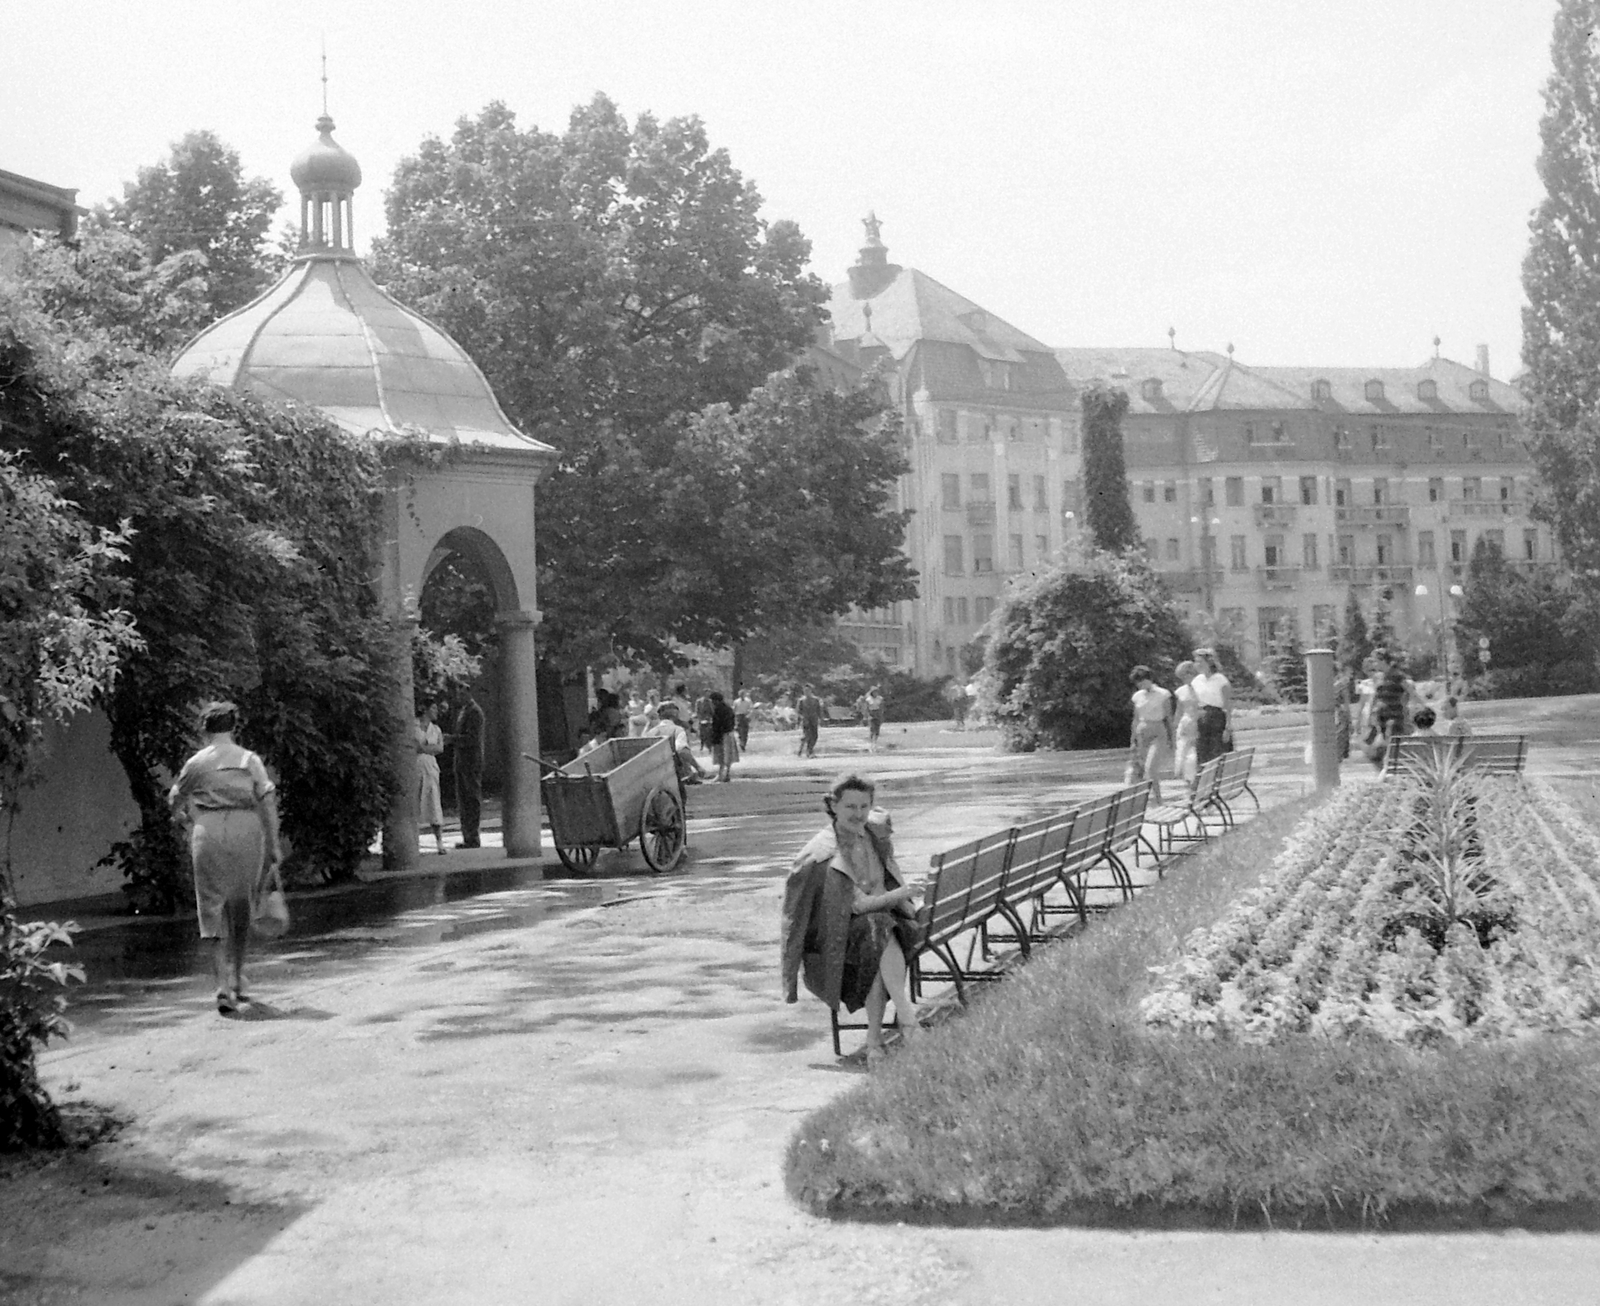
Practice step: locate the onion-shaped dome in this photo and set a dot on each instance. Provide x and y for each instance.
(326, 165)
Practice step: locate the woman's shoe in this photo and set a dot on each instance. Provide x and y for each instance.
(227, 1002)
(875, 1054)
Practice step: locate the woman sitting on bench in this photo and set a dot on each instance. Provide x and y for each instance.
(849, 922)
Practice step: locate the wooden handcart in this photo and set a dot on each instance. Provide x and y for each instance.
(625, 789)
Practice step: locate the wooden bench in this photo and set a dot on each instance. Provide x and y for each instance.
(1184, 822)
(1125, 833)
(1037, 851)
(1233, 779)
(1085, 849)
(964, 895)
(1488, 754)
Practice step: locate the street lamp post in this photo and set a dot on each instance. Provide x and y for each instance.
(1446, 658)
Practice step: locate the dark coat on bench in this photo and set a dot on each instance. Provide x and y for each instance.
(816, 913)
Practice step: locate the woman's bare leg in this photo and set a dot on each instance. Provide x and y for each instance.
(894, 980)
(877, 1000)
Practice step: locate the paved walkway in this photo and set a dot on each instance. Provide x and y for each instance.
(582, 1093)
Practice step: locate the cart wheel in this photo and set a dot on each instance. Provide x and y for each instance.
(578, 858)
(662, 830)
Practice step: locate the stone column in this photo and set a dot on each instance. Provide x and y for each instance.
(1319, 694)
(519, 704)
(400, 826)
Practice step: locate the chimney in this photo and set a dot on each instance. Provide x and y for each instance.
(1483, 360)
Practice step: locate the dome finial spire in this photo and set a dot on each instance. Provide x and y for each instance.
(324, 74)
(327, 175)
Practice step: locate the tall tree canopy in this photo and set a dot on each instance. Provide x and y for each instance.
(1105, 471)
(1561, 276)
(198, 198)
(616, 284)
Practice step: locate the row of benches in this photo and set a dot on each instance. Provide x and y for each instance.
(995, 889)
(1490, 754)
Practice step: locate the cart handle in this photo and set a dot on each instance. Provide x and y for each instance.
(542, 764)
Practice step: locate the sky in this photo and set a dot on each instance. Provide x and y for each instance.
(1329, 182)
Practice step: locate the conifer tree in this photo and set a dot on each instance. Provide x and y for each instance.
(1105, 473)
(1355, 645)
(1561, 277)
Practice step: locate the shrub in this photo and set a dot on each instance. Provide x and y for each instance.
(31, 1007)
(1577, 677)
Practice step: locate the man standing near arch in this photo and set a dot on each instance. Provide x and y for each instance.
(469, 770)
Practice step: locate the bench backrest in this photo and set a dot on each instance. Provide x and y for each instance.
(1036, 855)
(966, 885)
(1207, 779)
(1235, 773)
(1087, 844)
(1128, 817)
(1491, 754)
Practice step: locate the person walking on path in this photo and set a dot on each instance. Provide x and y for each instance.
(468, 740)
(955, 694)
(743, 708)
(849, 918)
(1152, 731)
(1392, 695)
(429, 740)
(683, 758)
(228, 804)
(702, 720)
(809, 709)
(724, 736)
(872, 709)
(1215, 696)
(1187, 727)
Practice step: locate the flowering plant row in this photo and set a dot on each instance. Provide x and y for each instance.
(1347, 930)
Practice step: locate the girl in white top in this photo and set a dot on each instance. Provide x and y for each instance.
(1187, 727)
(1213, 693)
(1152, 731)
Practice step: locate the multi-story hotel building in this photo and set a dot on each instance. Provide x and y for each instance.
(993, 429)
(1267, 493)
(1263, 493)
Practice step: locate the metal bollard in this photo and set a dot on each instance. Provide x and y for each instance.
(1319, 693)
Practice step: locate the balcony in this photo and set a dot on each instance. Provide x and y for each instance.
(980, 514)
(1378, 514)
(1193, 580)
(1388, 574)
(1273, 578)
(1488, 507)
(1275, 514)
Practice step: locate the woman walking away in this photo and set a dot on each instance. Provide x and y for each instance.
(1152, 731)
(228, 803)
(1215, 697)
(849, 922)
(724, 736)
(1188, 724)
(872, 709)
(429, 741)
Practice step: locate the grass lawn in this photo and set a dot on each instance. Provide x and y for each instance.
(1052, 1102)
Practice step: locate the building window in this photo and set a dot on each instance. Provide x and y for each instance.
(950, 488)
(1271, 489)
(983, 609)
(1380, 436)
(1208, 492)
(1152, 548)
(1435, 438)
(949, 433)
(1014, 492)
(1249, 432)
(1478, 392)
(1495, 542)
(1041, 496)
(980, 488)
(1435, 488)
(1385, 550)
(1508, 488)
(1072, 439)
(1341, 437)
(1273, 552)
(1174, 550)
(1231, 622)
(1014, 429)
(1427, 391)
(1150, 389)
(953, 555)
(1347, 550)
(949, 611)
(1069, 498)
(1236, 554)
(982, 553)
(1323, 621)
(1208, 552)
(1233, 491)
(1321, 391)
(1341, 494)
(1308, 551)
(1458, 546)
(1016, 553)
(1147, 491)
(1530, 545)
(1425, 554)
(1469, 438)
(1471, 488)
(1380, 490)
(1169, 492)
(1308, 490)
(1041, 548)
(1374, 392)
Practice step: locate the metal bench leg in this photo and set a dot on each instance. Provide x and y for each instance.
(1253, 797)
(833, 1013)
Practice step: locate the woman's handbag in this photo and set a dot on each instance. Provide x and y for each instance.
(269, 910)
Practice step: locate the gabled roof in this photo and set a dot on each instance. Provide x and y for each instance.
(1348, 388)
(913, 306)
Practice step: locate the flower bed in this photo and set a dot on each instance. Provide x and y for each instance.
(1345, 931)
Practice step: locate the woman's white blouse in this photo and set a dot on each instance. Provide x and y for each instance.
(1208, 689)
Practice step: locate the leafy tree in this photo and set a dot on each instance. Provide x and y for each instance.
(1355, 643)
(61, 637)
(441, 666)
(199, 199)
(617, 284)
(1105, 473)
(1530, 621)
(247, 574)
(1056, 669)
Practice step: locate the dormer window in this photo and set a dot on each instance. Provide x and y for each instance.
(1374, 392)
(1321, 390)
(1478, 392)
(1427, 391)
(1150, 389)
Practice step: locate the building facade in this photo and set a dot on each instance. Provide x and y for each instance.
(1266, 495)
(27, 206)
(992, 425)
